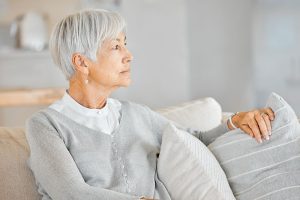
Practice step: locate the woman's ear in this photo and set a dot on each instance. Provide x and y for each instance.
(80, 63)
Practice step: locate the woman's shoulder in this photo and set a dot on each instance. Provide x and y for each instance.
(45, 116)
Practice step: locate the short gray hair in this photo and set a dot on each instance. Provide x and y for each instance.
(83, 32)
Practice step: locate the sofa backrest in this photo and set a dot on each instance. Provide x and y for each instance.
(16, 180)
(201, 114)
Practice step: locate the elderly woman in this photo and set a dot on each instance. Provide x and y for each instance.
(90, 146)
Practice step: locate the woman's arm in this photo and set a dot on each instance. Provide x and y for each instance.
(55, 169)
(255, 123)
(208, 137)
(160, 123)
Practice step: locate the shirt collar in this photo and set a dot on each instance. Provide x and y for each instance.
(74, 105)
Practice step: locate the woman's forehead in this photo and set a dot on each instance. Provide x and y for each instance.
(120, 38)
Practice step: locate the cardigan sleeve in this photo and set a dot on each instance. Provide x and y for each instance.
(206, 137)
(54, 168)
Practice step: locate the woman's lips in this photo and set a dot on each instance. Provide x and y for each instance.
(126, 71)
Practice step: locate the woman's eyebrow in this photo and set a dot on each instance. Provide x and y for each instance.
(120, 40)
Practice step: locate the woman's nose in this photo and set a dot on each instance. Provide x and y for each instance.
(128, 58)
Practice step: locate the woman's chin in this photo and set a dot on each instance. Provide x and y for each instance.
(126, 83)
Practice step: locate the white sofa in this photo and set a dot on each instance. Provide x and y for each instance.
(17, 181)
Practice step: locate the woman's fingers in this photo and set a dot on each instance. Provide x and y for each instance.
(247, 130)
(256, 123)
(268, 123)
(262, 125)
(255, 129)
(269, 112)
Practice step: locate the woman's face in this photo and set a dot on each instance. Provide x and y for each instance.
(112, 67)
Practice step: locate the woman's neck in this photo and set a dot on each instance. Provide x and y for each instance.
(88, 95)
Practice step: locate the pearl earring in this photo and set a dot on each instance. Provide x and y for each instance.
(86, 81)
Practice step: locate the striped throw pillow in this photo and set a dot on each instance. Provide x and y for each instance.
(270, 170)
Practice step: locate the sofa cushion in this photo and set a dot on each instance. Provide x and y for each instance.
(202, 114)
(17, 181)
(189, 170)
(270, 170)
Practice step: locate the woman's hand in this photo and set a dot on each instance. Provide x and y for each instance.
(256, 123)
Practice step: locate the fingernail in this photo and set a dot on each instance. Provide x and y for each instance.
(270, 133)
(260, 141)
(267, 137)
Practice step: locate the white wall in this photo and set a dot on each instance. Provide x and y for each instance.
(276, 30)
(220, 51)
(157, 37)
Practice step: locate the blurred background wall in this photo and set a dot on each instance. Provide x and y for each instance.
(276, 50)
(236, 51)
(221, 51)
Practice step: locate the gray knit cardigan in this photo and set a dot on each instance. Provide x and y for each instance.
(71, 161)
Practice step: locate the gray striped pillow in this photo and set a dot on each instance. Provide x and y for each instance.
(270, 170)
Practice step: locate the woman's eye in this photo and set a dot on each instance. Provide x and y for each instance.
(117, 47)
(125, 43)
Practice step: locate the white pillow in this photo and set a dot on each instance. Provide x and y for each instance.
(202, 114)
(189, 170)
